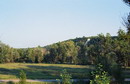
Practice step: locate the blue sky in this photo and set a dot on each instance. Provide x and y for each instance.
(29, 23)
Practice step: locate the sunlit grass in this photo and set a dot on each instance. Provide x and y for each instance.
(42, 71)
(7, 76)
(32, 83)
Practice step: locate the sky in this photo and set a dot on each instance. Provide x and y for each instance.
(29, 23)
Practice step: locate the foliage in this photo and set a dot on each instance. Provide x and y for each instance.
(127, 20)
(8, 54)
(22, 77)
(112, 53)
(75, 51)
(32, 55)
(127, 1)
(100, 76)
(63, 52)
(66, 77)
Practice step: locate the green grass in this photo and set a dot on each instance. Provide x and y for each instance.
(47, 83)
(43, 71)
(31, 83)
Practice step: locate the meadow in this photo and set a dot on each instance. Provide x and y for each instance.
(47, 71)
(43, 71)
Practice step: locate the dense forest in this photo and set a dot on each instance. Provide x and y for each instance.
(85, 50)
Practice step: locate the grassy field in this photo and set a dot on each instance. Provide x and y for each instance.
(42, 71)
(46, 83)
(47, 71)
(30, 83)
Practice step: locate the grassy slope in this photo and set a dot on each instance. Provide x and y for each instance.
(42, 71)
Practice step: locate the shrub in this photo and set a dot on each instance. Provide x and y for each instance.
(22, 77)
(66, 77)
(100, 76)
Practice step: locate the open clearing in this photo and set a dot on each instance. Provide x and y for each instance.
(47, 71)
(43, 71)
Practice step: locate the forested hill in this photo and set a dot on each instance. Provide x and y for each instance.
(51, 53)
(85, 50)
(75, 40)
(78, 40)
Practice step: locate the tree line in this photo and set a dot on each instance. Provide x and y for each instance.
(74, 51)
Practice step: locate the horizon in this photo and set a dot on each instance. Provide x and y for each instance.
(31, 23)
(54, 42)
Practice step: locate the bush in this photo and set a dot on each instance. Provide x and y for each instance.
(66, 77)
(100, 76)
(22, 77)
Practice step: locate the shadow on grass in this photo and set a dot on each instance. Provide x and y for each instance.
(51, 72)
(47, 72)
(14, 72)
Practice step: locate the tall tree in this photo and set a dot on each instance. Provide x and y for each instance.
(31, 55)
(63, 52)
(39, 54)
(127, 2)
(127, 21)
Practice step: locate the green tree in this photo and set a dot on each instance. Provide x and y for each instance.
(31, 55)
(68, 51)
(66, 77)
(127, 2)
(101, 49)
(22, 77)
(122, 46)
(23, 52)
(111, 53)
(127, 20)
(63, 52)
(52, 56)
(100, 76)
(39, 54)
